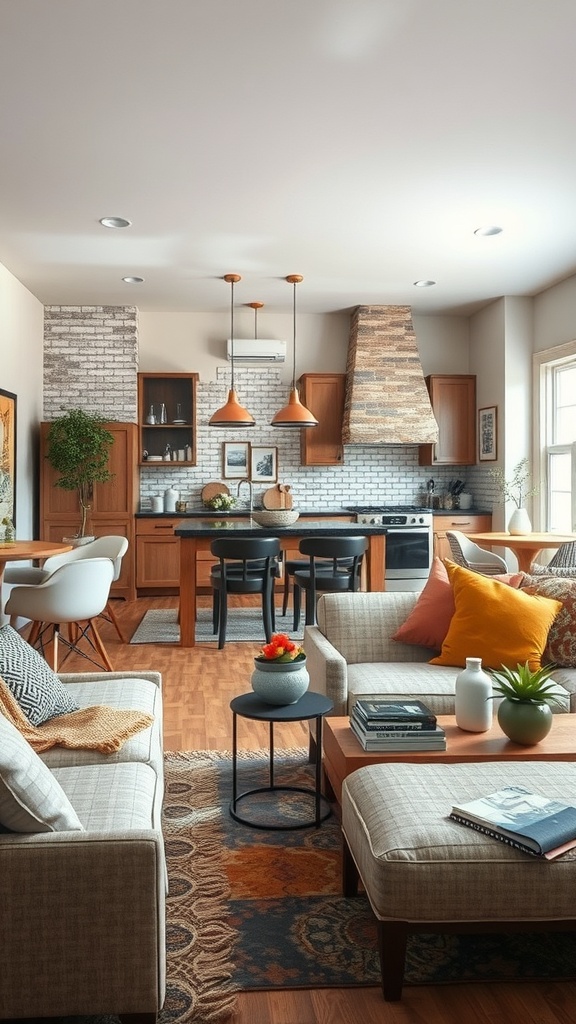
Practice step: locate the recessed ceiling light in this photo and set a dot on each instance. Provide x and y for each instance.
(424, 284)
(489, 229)
(115, 222)
(133, 280)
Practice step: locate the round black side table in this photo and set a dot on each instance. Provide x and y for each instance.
(249, 705)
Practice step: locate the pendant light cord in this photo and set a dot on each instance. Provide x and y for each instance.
(232, 333)
(294, 337)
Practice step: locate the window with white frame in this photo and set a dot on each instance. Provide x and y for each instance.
(557, 429)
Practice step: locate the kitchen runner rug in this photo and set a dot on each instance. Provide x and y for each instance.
(160, 626)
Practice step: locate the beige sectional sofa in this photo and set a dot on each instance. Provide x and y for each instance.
(351, 654)
(82, 912)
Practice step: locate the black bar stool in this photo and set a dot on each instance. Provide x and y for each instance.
(334, 565)
(246, 566)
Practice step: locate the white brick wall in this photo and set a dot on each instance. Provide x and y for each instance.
(91, 360)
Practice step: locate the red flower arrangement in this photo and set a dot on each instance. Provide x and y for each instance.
(281, 648)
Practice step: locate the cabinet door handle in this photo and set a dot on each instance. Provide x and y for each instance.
(163, 526)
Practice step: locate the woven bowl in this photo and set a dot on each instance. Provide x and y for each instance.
(276, 517)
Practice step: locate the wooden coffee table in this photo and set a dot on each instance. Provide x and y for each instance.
(343, 753)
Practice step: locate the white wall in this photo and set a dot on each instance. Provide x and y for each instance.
(554, 317)
(196, 342)
(21, 331)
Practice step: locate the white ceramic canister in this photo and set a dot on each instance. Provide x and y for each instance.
(473, 690)
(157, 503)
(171, 496)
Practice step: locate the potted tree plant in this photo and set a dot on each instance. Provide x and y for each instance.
(78, 447)
(525, 715)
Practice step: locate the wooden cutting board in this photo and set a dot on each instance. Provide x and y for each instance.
(212, 489)
(277, 497)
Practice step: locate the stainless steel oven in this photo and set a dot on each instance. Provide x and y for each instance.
(409, 542)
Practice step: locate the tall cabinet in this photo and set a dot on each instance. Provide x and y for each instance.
(453, 399)
(323, 394)
(113, 506)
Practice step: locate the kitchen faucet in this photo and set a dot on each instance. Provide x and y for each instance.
(249, 482)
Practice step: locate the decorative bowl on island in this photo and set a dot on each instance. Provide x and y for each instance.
(275, 517)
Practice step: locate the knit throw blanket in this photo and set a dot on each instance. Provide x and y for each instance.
(98, 728)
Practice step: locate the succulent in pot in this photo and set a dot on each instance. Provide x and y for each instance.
(525, 715)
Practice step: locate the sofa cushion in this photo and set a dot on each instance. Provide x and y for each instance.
(496, 623)
(429, 621)
(561, 644)
(112, 797)
(133, 693)
(35, 686)
(31, 799)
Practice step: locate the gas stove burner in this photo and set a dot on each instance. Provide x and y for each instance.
(367, 510)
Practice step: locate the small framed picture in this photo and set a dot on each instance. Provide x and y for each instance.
(235, 459)
(263, 464)
(7, 458)
(487, 434)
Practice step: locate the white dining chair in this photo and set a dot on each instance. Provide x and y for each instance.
(111, 546)
(76, 593)
(471, 556)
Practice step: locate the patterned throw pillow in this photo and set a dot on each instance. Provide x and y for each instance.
(561, 642)
(35, 686)
(31, 800)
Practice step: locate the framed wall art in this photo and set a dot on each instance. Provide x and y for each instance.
(7, 456)
(487, 434)
(263, 464)
(235, 459)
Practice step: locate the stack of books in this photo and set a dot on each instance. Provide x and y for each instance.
(396, 725)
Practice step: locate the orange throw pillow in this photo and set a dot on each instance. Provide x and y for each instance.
(429, 620)
(499, 624)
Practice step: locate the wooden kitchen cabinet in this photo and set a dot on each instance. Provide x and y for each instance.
(176, 394)
(157, 554)
(113, 504)
(323, 394)
(464, 523)
(453, 399)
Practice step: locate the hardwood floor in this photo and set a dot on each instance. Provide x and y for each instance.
(198, 686)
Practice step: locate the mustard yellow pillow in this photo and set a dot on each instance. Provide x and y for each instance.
(494, 622)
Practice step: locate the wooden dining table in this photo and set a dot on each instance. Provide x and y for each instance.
(197, 535)
(525, 546)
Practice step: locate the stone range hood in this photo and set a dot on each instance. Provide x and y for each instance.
(387, 401)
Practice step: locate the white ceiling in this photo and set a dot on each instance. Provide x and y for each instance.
(356, 142)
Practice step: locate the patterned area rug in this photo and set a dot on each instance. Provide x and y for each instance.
(256, 910)
(160, 626)
(297, 931)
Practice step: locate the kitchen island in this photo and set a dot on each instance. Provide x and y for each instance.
(197, 535)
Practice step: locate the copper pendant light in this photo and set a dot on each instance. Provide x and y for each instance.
(232, 415)
(294, 414)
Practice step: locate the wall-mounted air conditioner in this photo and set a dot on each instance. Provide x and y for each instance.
(257, 350)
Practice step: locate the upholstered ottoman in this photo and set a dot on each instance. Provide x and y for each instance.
(424, 872)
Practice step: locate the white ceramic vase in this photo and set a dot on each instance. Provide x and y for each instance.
(280, 682)
(519, 524)
(473, 692)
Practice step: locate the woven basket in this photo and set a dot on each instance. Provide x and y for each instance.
(276, 517)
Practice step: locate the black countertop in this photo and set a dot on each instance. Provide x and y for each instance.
(207, 513)
(303, 527)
